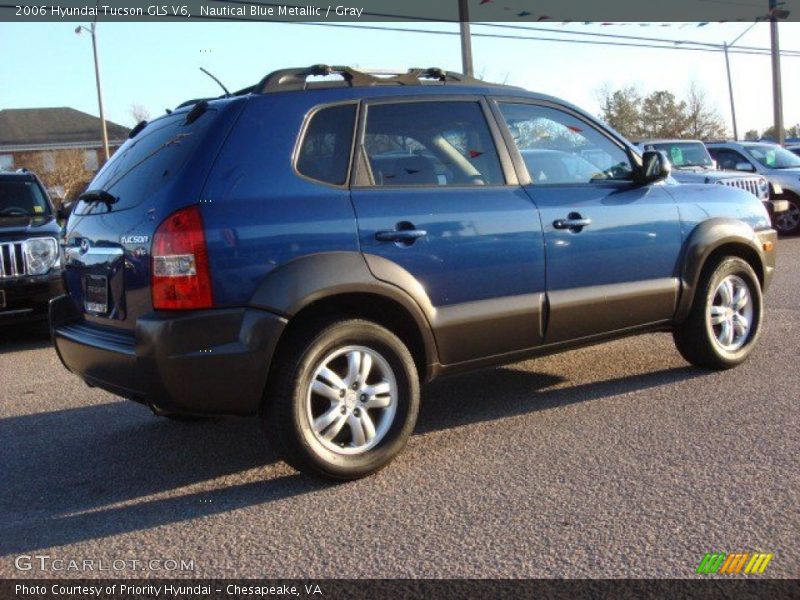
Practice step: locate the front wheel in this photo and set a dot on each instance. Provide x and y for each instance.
(725, 320)
(343, 399)
(788, 221)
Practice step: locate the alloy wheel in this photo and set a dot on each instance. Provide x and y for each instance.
(730, 314)
(351, 400)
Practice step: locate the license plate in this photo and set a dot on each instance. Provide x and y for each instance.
(2, 299)
(96, 297)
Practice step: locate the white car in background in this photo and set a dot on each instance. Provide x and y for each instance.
(780, 166)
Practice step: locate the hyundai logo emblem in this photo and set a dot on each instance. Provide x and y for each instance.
(84, 246)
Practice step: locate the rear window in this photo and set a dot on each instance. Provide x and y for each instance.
(147, 162)
(22, 198)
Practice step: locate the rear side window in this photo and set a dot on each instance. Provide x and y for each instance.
(431, 144)
(325, 152)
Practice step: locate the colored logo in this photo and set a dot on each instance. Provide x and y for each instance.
(742, 562)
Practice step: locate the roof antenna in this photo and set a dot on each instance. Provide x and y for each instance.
(227, 93)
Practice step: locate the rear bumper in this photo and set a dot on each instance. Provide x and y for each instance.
(202, 362)
(27, 298)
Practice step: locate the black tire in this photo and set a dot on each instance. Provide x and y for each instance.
(696, 338)
(785, 226)
(285, 415)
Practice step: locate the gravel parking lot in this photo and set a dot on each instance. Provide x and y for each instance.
(613, 461)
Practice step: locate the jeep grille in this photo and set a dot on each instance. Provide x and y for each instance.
(747, 184)
(12, 260)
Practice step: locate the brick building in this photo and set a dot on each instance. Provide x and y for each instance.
(62, 145)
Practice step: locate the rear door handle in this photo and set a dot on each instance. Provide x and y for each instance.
(405, 236)
(574, 222)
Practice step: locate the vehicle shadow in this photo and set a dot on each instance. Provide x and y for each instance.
(24, 336)
(506, 392)
(89, 472)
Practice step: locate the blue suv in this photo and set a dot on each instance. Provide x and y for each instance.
(312, 248)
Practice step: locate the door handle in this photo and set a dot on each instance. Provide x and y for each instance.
(574, 222)
(403, 236)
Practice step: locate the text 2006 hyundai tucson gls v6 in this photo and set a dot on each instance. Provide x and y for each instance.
(309, 251)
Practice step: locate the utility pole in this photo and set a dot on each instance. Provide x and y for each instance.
(92, 30)
(466, 39)
(730, 79)
(730, 92)
(777, 94)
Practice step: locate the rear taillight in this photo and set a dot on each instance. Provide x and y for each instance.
(181, 278)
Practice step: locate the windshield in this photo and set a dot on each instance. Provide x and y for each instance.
(774, 157)
(685, 154)
(21, 198)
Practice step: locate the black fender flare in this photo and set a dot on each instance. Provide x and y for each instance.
(702, 242)
(297, 284)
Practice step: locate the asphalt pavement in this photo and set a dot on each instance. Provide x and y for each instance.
(618, 460)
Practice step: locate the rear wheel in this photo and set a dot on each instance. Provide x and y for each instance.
(343, 399)
(725, 319)
(788, 221)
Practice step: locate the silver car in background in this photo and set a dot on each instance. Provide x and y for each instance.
(780, 166)
(691, 163)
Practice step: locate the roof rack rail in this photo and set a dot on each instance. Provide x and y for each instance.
(297, 78)
(294, 79)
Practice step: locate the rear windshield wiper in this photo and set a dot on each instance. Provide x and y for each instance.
(92, 196)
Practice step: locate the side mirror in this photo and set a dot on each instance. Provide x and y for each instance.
(655, 167)
(745, 166)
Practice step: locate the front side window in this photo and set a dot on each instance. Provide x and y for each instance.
(558, 148)
(727, 159)
(325, 152)
(432, 144)
(774, 157)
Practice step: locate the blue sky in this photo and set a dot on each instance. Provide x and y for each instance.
(156, 64)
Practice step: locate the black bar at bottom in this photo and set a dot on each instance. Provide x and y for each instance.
(406, 589)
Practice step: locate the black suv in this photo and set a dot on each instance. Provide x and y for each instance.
(30, 267)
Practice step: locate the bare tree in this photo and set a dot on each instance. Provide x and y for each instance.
(138, 113)
(703, 121)
(67, 172)
(660, 114)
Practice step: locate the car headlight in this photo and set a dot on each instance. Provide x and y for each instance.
(763, 186)
(41, 255)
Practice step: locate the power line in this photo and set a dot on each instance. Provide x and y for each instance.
(660, 42)
(617, 36)
(663, 46)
